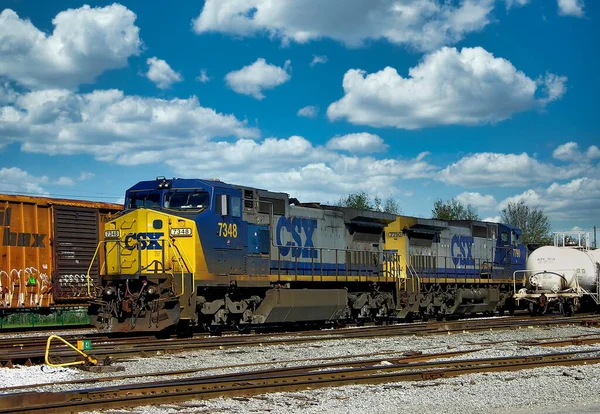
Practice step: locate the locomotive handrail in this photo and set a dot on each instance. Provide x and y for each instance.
(414, 275)
(515, 278)
(444, 266)
(362, 270)
(92, 264)
(178, 256)
(183, 264)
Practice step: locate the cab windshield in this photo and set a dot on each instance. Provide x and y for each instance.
(140, 199)
(184, 200)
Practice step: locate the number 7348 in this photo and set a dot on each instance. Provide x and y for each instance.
(228, 230)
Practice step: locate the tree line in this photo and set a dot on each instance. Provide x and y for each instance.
(532, 221)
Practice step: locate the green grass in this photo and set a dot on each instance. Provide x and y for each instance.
(23, 318)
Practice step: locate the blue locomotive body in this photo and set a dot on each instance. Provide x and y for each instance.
(189, 251)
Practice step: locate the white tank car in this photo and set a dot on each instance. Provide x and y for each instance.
(557, 269)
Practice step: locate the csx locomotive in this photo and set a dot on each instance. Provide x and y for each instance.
(188, 252)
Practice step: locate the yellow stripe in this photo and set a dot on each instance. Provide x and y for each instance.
(301, 278)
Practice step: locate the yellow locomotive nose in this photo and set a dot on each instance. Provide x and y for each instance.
(146, 241)
(148, 267)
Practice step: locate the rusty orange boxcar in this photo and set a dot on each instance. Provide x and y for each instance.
(46, 246)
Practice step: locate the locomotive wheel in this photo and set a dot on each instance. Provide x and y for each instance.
(215, 330)
(184, 329)
(242, 328)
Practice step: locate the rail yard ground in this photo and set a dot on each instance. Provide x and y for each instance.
(550, 389)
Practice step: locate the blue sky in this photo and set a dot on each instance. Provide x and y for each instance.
(486, 101)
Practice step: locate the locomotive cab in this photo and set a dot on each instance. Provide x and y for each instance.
(153, 254)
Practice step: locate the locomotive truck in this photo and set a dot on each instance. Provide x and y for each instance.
(188, 252)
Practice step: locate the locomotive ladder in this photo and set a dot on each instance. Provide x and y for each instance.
(579, 240)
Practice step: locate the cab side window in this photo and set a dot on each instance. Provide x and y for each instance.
(236, 206)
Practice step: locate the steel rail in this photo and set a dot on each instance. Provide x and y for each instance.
(259, 382)
(400, 357)
(563, 342)
(143, 346)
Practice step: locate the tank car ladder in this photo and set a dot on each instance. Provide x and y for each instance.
(579, 240)
(594, 295)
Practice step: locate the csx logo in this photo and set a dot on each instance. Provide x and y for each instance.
(143, 241)
(297, 227)
(460, 250)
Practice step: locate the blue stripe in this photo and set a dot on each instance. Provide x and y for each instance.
(328, 269)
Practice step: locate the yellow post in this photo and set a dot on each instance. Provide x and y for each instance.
(88, 358)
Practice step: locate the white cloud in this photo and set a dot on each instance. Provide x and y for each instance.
(574, 201)
(570, 152)
(493, 219)
(85, 175)
(448, 87)
(137, 131)
(293, 165)
(360, 142)
(504, 170)
(512, 3)
(161, 73)
(7, 94)
(253, 79)
(111, 126)
(571, 8)
(16, 180)
(85, 42)
(203, 77)
(553, 86)
(484, 202)
(133, 130)
(65, 181)
(71, 181)
(318, 59)
(308, 111)
(420, 24)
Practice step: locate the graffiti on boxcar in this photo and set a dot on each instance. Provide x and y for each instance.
(71, 286)
(28, 286)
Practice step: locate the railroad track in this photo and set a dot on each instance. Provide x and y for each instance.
(248, 383)
(31, 351)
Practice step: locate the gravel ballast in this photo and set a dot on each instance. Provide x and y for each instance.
(542, 390)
